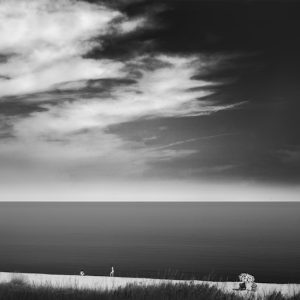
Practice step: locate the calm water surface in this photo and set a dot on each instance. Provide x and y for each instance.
(144, 239)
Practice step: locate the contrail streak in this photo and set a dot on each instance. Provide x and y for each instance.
(192, 140)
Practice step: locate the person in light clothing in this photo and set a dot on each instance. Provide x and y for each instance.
(112, 272)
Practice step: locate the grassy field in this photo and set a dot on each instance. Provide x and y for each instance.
(19, 290)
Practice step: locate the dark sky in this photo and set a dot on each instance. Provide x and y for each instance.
(261, 39)
(260, 42)
(191, 90)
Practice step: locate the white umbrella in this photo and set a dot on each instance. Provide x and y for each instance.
(246, 277)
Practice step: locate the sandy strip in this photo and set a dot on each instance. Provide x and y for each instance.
(110, 283)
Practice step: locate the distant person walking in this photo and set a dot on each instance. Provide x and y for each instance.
(112, 272)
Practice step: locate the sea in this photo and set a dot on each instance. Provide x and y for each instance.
(212, 241)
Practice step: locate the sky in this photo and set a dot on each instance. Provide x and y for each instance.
(149, 100)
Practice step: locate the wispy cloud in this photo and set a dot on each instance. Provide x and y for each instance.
(45, 44)
(290, 155)
(182, 142)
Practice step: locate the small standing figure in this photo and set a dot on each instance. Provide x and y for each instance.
(82, 273)
(112, 272)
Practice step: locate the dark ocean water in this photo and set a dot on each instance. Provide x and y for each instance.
(146, 239)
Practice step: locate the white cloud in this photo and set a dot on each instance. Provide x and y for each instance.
(60, 72)
(45, 42)
(127, 26)
(166, 91)
(57, 24)
(76, 132)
